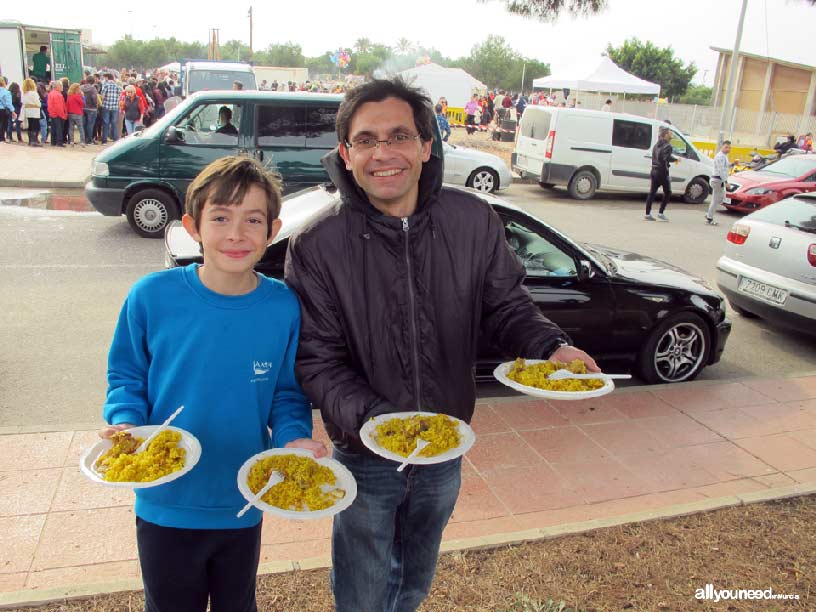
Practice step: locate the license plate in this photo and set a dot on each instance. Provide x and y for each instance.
(761, 290)
(726, 200)
(521, 160)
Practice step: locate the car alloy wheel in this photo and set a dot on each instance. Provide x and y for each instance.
(484, 180)
(150, 215)
(680, 352)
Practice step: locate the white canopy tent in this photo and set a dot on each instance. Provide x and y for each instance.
(453, 84)
(606, 77)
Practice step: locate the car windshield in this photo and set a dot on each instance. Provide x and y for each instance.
(168, 119)
(792, 167)
(208, 80)
(793, 212)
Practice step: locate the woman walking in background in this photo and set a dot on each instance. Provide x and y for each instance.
(470, 113)
(31, 109)
(76, 109)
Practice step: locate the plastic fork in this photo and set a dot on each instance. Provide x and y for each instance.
(420, 444)
(274, 478)
(562, 374)
(143, 446)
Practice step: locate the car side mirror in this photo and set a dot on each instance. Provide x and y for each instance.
(584, 270)
(173, 135)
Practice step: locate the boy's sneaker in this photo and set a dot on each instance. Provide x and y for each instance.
(711, 221)
(648, 217)
(662, 217)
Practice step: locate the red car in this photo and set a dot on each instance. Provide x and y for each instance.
(754, 189)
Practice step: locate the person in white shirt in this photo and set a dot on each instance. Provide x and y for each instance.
(718, 180)
(607, 107)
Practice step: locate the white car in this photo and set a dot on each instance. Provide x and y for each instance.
(769, 265)
(482, 171)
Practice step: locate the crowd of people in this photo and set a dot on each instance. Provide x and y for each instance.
(99, 108)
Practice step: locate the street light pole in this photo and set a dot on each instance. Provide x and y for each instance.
(732, 77)
(250, 32)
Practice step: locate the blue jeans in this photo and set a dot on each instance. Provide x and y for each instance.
(43, 127)
(110, 124)
(386, 544)
(130, 126)
(90, 121)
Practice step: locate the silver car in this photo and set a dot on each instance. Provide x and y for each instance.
(769, 265)
(482, 171)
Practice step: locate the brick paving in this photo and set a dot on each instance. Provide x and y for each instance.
(536, 464)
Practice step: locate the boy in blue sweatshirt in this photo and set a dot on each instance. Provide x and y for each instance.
(219, 339)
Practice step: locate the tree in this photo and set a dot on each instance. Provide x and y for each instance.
(550, 10)
(497, 65)
(235, 51)
(362, 45)
(697, 94)
(288, 54)
(404, 46)
(658, 65)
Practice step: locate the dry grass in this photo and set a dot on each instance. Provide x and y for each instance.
(654, 566)
(482, 142)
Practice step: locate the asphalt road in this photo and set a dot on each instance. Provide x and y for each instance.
(63, 277)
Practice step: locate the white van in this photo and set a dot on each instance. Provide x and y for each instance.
(587, 150)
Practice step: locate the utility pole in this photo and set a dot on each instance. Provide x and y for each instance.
(250, 32)
(732, 78)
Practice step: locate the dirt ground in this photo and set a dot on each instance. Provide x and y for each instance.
(483, 142)
(655, 566)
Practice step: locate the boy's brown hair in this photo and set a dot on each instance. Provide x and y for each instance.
(226, 181)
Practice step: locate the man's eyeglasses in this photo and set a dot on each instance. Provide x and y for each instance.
(397, 141)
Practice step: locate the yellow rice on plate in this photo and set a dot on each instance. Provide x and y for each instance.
(122, 464)
(400, 435)
(306, 486)
(535, 375)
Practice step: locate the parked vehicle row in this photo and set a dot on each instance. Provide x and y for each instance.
(751, 190)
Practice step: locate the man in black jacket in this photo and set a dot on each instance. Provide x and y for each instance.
(661, 158)
(395, 284)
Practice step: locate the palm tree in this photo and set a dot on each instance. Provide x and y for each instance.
(404, 45)
(362, 45)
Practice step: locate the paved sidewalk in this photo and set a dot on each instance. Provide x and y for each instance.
(538, 468)
(47, 166)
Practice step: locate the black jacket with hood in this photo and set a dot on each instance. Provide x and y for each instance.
(392, 308)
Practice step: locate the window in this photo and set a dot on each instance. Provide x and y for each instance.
(798, 211)
(539, 256)
(207, 79)
(211, 125)
(631, 134)
(535, 124)
(678, 144)
(282, 126)
(321, 132)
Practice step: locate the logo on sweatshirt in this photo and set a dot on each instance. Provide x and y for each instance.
(260, 368)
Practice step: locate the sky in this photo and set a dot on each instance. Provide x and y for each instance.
(780, 28)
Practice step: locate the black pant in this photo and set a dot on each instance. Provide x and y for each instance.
(57, 131)
(33, 130)
(181, 568)
(5, 117)
(659, 179)
(470, 120)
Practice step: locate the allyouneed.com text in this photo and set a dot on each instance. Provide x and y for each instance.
(712, 594)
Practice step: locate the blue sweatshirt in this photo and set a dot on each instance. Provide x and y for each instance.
(230, 361)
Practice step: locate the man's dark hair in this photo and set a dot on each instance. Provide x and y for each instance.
(608, 101)
(377, 91)
(791, 138)
(224, 110)
(726, 142)
(109, 76)
(43, 48)
(90, 80)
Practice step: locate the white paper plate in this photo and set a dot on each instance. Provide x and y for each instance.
(345, 481)
(467, 438)
(500, 373)
(188, 442)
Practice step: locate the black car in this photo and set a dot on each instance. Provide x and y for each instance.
(624, 309)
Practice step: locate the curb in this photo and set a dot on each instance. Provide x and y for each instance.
(42, 184)
(40, 597)
(47, 200)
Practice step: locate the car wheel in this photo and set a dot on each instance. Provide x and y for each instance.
(484, 179)
(149, 211)
(696, 191)
(583, 185)
(676, 350)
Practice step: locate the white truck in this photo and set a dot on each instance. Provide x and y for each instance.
(20, 42)
(280, 74)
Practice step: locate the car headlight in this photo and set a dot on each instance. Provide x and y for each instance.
(759, 191)
(99, 169)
